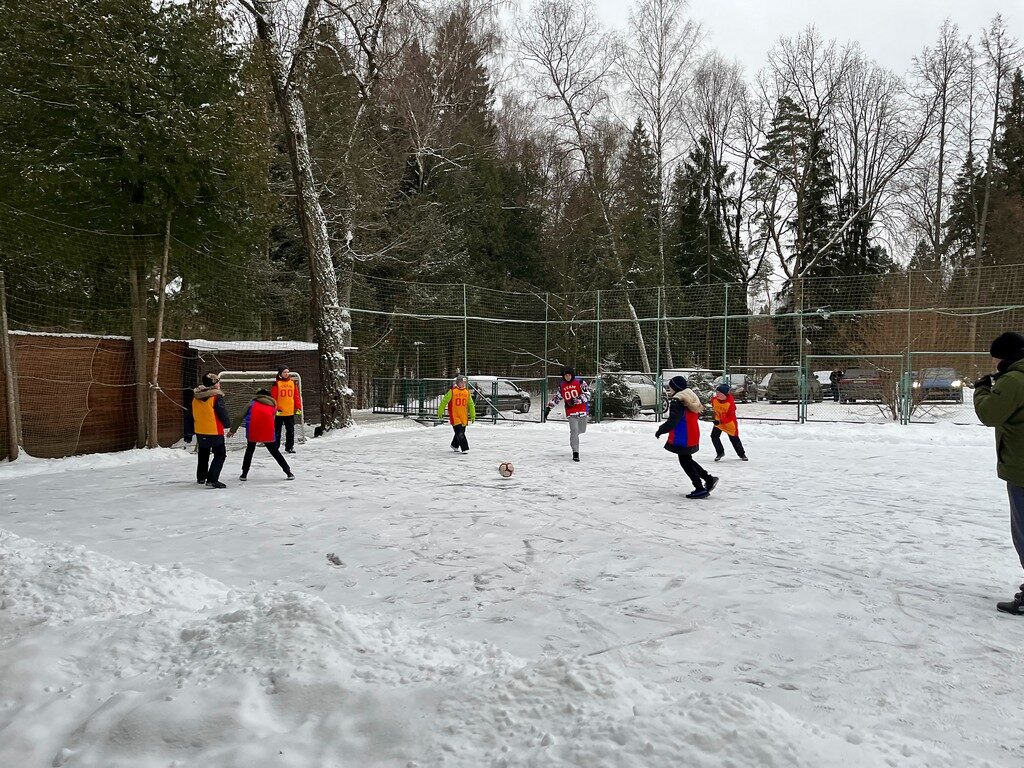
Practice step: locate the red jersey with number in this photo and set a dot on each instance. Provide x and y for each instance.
(574, 393)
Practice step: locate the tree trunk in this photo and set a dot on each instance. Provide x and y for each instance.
(140, 341)
(154, 371)
(979, 248)
(330, 320)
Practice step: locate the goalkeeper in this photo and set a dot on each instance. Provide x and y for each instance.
(289, 405)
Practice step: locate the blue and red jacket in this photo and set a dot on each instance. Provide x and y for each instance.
(260, 420)
(576, 395)
(682, 425)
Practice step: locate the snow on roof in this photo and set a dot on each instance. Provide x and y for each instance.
(203, 345)
(256, 345)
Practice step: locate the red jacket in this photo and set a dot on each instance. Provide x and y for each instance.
(259, 420)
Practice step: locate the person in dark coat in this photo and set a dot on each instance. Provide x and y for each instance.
(683, 430)
(260, 426)
(207, 419)
(999, 403)
(835, 377)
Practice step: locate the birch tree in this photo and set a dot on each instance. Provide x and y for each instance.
(571, 57)
(287, 48)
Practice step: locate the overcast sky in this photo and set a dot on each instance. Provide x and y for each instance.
(890, 31)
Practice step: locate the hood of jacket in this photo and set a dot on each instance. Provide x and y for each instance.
(205, 393)
(1016, 365)
(265, 399)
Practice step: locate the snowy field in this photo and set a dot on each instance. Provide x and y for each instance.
(397, 605)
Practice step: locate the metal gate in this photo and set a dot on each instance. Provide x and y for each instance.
(766, 392)
(937, 386)
(870, 388)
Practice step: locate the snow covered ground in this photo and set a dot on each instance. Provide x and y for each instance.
(831, 605)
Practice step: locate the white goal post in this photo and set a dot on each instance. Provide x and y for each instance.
(240, 387)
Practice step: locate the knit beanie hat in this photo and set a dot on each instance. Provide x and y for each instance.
(725, 389)
(1007, 345)
(677, 383)
(210, 379)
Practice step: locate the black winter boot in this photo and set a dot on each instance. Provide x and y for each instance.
(1015, 606)
(575, 456)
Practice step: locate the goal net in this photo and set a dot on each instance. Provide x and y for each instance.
(240, 388)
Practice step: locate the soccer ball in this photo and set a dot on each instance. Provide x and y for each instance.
(505, 469)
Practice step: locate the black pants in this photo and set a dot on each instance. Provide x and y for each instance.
(693, 470)
(288, 422)
(1017, 518)
(207, 471)
(459, 440)
(716, 439)
(835, 392)
(272, 449)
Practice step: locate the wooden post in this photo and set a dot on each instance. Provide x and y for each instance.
(153, 437)
(11, 405)
(140, 341)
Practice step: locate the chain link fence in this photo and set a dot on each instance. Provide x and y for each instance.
(896, 347)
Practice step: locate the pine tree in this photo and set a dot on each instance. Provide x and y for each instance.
(637, 209)
(696, 236)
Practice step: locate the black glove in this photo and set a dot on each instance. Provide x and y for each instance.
(984, 381)
(716, 422)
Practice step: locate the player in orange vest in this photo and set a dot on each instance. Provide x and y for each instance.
(725, 421)
(289, 405)
(458, 401)
(207, 418)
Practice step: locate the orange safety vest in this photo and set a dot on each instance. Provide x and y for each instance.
(725, 412)
(286, 393)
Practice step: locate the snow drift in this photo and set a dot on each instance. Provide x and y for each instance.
(106, 663)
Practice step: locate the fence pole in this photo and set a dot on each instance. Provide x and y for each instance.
(547, 303)
(905, 382)
(725, 337)
(11, 405)
(597, 415)
(657, 338)
(802, 406)
(465, 332)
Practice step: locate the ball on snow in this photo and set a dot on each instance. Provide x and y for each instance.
(505, 469)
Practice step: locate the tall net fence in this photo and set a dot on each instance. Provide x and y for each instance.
(893, 347)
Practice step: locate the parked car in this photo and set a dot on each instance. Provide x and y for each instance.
(510, 397)
(825, 379)
(864, 384)
(742, 387)
(784, 387)
(938, 384)
(645, 390)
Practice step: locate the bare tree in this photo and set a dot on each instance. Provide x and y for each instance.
(1000, 56)
(657, 62)
(942, 71)
(572, 58)
(287, 48)
(874, 131)
(832, 88)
